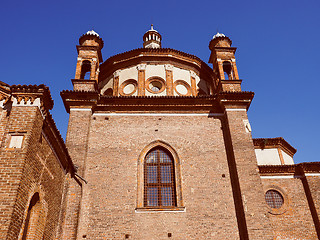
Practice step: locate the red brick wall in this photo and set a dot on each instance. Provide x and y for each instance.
(23, 174)
(247, 186)
(110, 198)
(77, 146)
(294, 220)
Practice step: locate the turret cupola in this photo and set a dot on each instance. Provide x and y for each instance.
(89, 59)
(152, 39)
(224, 62)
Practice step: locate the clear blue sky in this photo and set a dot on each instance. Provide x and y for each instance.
(277, 57)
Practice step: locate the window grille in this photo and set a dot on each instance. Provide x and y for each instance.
(274, 199)
(159, 179)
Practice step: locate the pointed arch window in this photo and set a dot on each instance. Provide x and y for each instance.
(159, 179)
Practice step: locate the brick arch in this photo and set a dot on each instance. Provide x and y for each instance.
(35, 217)
(177, 172)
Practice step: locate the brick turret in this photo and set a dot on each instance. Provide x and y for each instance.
(224, 62)
(89, 58)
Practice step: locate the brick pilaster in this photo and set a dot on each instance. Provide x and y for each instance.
(141, 79)
(246, 183)
(169, 79)
(76, 141)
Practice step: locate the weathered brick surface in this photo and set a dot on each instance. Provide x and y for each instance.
(295, 221)
(34, 168)
(252, 219)
(110, 198)
(78, 130)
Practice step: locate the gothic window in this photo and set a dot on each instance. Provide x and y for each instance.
(159, 179)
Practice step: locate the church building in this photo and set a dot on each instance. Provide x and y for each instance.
(158, 146)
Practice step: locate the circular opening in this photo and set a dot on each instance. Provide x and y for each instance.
(129, 88)
(182, 89)
(155, 86)
(274, 199)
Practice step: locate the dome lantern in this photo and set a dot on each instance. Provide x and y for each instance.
(152, 39)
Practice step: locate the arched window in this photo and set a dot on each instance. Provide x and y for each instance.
(85, 70)
(159, 179)
(227, 68)
(29, 225)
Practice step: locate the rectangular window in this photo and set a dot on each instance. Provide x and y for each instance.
(16, 141)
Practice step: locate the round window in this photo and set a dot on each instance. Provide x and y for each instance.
(129, 89)
(182, 88)
(274, 199)
(155, 86)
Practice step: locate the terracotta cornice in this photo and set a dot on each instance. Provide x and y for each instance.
(235, 99)
(204, 104)
(79, 98)
(261, 143)
(89, 36)
(156, 105)
(32, 92)
(296, 169)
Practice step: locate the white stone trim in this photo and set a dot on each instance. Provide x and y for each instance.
(312, 174)
(142, 66)
(2, 103)
(159, 114)
(36, 103)
(236, 109)
(116, 73)
(247, 125)
(193, 74)
(160, 211)
(80, 109)
(281, 177)
(168, 67)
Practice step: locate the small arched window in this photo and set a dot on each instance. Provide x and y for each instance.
(29, 225)
(159, 179)
(85, 70)
(227, 68)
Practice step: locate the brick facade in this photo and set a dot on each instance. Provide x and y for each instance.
(199, 120)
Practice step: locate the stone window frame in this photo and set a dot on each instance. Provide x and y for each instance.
(155, 79)
(284, 207)
(177, 174)
(183, 83)
(16, 134)
(124, 84)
